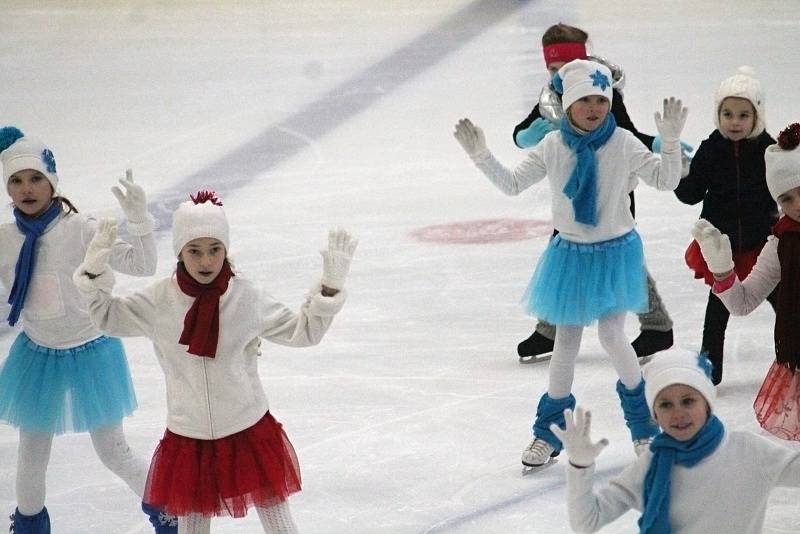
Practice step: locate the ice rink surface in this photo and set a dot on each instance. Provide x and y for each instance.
(410, 416)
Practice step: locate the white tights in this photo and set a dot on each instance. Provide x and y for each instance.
(34, 454)
(611, 333)
(276, 519)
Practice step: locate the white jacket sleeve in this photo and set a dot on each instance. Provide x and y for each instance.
(660, 171)
(133, 315)
(513, 182)
(136, 258)
(745, 296)
(304, 328)
(588, 510)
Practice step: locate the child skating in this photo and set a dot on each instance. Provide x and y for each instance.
(593, 270)
(62, 374)
(698, 477)
(223, 452)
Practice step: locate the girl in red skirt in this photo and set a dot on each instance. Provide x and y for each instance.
(222, 452)
(778, 402)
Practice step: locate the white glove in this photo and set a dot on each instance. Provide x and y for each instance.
(575, 438)
(471, 139)
(336, 259)
(134, 204)
(99, 249)
(715, 246)
(671, 125)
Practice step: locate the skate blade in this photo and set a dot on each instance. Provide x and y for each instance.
(645, 359)
(539, 358)
(531, 469)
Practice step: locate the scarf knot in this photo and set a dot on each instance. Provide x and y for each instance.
(581, 187)
(667, 452)
(201, 323)
(33, 228)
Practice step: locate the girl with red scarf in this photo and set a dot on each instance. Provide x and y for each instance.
(777, 405)
(222, 452)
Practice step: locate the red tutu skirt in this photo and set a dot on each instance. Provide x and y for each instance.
(226, 476)
(777, 404)
(742, 263)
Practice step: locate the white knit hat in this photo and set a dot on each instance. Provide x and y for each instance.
(783, 162)
(580, 78)
(677, 366)
(202, 216)
(743, 84)
(26, 153)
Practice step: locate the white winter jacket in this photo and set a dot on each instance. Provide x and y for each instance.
(210, 398)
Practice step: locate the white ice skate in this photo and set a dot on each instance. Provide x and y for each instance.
(537, 455)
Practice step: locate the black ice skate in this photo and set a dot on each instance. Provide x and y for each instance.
(537, 348)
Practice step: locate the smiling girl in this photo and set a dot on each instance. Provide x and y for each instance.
(697, 477)
(223, 452)
(593, 270)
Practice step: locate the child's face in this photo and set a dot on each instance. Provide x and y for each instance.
(203, 258)
(790, 203)
(589, 112)
(681, 411)
(30, 191)
(737, 117)
(554, 66)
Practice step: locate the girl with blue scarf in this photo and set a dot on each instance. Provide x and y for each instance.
(696, 478)
(593, 270)
(61, 374)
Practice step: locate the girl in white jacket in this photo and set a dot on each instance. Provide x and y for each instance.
(62, 374)
(697, 477)
(222, 452)
(777, 405)
(593, 270)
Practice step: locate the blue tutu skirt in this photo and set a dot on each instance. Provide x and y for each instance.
(65, 390)
(575, 284)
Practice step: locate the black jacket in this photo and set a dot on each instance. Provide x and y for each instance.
(729, 178)
(617, 109)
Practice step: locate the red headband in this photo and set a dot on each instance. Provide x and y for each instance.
(565, 52)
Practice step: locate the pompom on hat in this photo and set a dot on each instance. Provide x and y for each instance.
(743, 84)
(783, 162)
(677, 366)
(580, 78)
(202, 216)
(19, 152)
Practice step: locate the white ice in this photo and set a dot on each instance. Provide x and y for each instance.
(411, 414)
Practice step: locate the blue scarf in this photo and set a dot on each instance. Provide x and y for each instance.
(667, 451)
(581, 187)
(32, 228)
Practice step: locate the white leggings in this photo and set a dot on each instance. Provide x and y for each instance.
(34, 455)
(276, 519)
(611, 333)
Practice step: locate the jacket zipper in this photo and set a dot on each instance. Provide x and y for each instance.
(738, 196)
(208, 401)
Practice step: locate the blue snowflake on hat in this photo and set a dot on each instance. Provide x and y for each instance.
(599, 80)
(49, 160)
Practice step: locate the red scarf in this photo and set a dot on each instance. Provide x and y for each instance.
(787, 313)
(201, 324)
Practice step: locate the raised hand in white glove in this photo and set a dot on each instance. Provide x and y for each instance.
(576, 440)
(96, 258)
(471, 138)
(715, 246)
(671, 124)
(134, 203)
(336, 259)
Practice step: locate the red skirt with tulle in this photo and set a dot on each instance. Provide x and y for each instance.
(743, 263)
(226, 476)
(777, 404)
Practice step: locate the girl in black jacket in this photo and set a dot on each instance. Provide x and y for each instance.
(727, 175)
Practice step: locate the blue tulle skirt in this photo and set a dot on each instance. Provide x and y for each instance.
(65, 390)
(577, 283)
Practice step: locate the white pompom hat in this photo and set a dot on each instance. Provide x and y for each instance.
(202, 216)
(678, 366)
(743, 84)
(783, 162)
(580, 78)
(23, 152)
